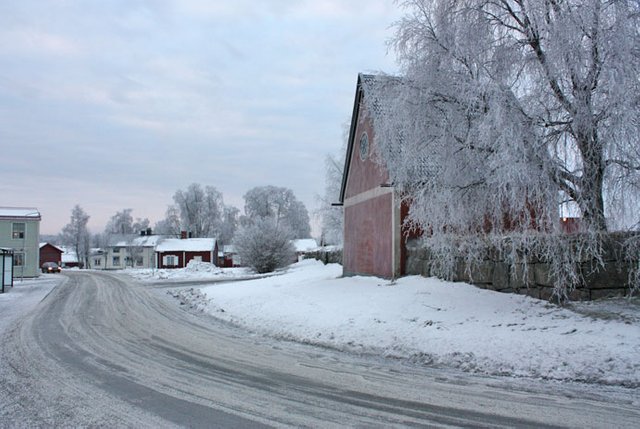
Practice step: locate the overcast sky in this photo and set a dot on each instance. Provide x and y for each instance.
(117, 104)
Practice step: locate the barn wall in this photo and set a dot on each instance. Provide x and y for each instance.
(364, 174)
(368, 243)
(49, 253)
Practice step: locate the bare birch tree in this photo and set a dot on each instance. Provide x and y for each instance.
(76, 235)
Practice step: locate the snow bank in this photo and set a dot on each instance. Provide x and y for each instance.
(195, 270)
(24, 296)
(430, 321)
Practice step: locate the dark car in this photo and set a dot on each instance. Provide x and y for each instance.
(50, 267)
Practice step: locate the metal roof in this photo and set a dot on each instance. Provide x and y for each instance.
(30, 213)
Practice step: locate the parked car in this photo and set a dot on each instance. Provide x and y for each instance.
(51, 267)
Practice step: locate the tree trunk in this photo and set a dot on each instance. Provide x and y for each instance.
(592, 185)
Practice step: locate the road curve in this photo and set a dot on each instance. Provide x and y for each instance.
(102, 350)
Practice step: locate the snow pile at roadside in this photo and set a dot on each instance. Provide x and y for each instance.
(195, 270)
(430, 321)
(25, 295)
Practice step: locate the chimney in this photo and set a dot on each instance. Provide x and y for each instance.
(143, 233)
(148, 231)
(183, 235)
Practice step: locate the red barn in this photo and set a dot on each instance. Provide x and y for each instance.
(373, 239)
(50, 253)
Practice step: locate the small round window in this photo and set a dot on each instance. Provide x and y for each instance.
(364, 146)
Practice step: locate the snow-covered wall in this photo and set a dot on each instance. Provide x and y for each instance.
(495, 272)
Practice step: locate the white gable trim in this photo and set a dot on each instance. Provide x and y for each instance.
(367, 195)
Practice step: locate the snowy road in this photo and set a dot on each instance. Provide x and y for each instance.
(101, 350)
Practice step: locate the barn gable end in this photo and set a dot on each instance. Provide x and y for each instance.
(372, 218)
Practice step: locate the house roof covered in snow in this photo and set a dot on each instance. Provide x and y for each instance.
(52, 245)
(186, 245)
(68, 255)
(29, 213)
(135, 240)
(305, 244)
(148, 240)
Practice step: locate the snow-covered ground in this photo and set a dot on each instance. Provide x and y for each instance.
(435, 322)
(25, 295)
(193, 271)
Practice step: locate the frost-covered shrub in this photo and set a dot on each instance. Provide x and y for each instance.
(632, 252)
(264, 245)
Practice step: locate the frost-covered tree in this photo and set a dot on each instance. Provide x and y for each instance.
(332, 216)
(120, 223)
(505, 104)
(140, 224)
(264, 245)
(123, 223)
(229, 224)
(170, 225)
(76, 235)
(280, 205)
(200, 210)
(506, 108)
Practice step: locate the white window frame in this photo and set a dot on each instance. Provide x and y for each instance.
(170, 260)
(19, 257)
(16, 234)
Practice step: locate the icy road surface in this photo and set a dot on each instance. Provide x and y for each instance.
(101, 350)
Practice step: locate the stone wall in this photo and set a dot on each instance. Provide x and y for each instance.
(496, 272)
(333, 256)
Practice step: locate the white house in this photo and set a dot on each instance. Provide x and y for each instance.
(20, 231)
(128, 250)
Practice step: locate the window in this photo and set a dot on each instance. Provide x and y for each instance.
(18, 259)
(97, 262)
(170, 260)
(18, 231)
(116, 261)
(139, 261)
(116, 250)
(364, 146)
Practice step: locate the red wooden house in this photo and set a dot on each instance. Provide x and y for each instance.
(50, 253)
(176, 253)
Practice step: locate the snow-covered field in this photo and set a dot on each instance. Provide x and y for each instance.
(435, 322)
